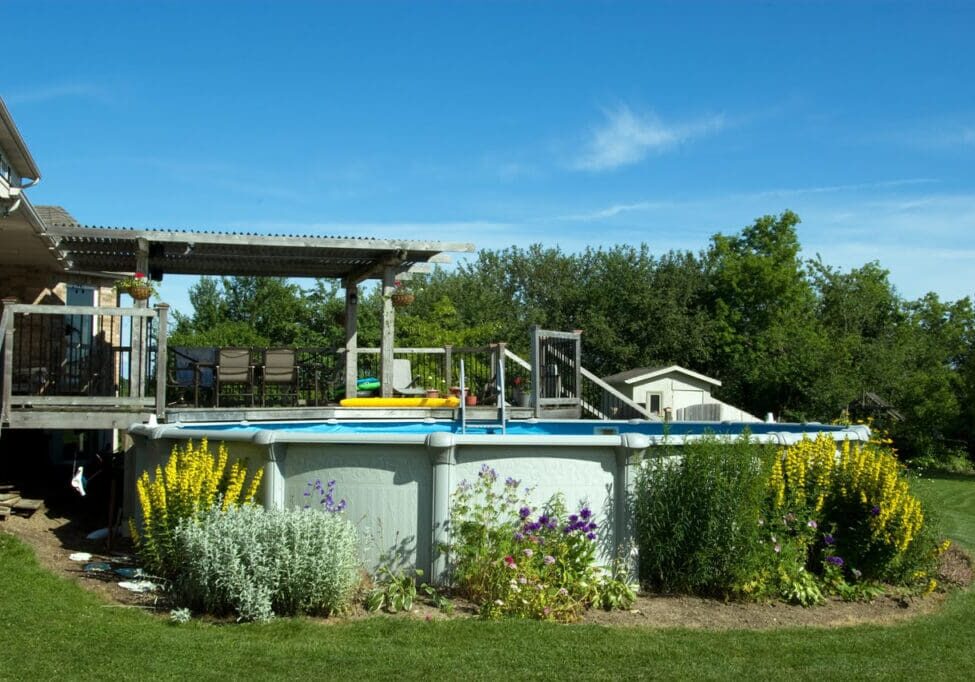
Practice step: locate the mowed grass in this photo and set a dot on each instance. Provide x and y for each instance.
(952, 499)
(52, 629)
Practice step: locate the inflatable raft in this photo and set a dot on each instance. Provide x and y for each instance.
(449, 401)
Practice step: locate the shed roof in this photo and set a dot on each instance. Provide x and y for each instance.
(185, 252)
(644, 374)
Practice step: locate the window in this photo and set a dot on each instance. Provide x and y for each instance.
(653, 403)
(4, 167)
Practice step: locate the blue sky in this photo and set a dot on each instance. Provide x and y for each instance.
(568, 124)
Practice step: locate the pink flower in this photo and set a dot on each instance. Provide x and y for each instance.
(510, 561)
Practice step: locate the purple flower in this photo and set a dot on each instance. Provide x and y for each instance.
(488, 473)
(528, 552)
(828, 539)
(573, 518)
(835, 560)
(549, 559)
(591, 536)
(812, 524)
(524, 512)
(585, 512)
(543, 519)
(519, 536)
(875, 511)
(511, 483)
(592, 526)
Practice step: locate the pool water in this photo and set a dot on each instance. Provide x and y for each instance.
(523, 427)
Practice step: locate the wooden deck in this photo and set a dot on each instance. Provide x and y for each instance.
(107, 368)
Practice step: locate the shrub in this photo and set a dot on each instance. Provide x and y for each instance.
(189, 484)
(513, 560)
(848, 517)
(258, 563)
(695, 513)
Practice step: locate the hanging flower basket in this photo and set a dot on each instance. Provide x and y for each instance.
(139, 293)
(401, 299)
(137, 286)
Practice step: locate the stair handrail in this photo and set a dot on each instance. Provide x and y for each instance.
(586, 374)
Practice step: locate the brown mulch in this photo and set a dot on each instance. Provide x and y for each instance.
(55, 537)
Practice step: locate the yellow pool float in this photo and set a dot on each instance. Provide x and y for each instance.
(449, 401)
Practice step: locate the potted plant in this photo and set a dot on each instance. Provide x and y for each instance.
(138, 286)
(401, 296)
(522, 393)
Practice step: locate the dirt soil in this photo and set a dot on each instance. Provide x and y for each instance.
(55, 537)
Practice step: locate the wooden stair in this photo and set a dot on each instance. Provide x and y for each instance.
(11, 502)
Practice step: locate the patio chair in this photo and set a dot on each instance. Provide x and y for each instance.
(280, 372)
(234, 369)
(404, 383)
(191, 370)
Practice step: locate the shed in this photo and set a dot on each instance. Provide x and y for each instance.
(677, 392)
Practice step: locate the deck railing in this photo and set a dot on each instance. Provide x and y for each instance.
(72, 357)
(81, 356)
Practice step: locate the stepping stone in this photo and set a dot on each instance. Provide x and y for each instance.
(24, 504)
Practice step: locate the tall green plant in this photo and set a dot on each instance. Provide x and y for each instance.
(696, 512)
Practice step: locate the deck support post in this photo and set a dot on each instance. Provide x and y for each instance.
(139, 336)
(351, 338)
(388, 339)
(6, 390)
(161, 361)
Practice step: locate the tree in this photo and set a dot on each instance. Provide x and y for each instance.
(768, 345)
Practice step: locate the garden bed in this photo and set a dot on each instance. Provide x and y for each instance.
(54, 538)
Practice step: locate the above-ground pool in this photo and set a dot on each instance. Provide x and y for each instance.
(397, 477)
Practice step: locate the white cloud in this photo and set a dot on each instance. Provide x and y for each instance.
(626, 138)
(610, 211)
(939, 136)
(49, 92)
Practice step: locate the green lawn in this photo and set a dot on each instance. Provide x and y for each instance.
(52, 629)
(952, 496)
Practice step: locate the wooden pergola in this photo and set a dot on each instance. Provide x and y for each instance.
(349, 259)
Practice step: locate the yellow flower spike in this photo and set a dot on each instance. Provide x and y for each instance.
(187, 485)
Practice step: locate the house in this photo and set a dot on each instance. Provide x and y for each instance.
(33, 271)
(676, 393)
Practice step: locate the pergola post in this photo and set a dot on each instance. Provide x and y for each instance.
(139, 335)
(387, 340)
(351, 338)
